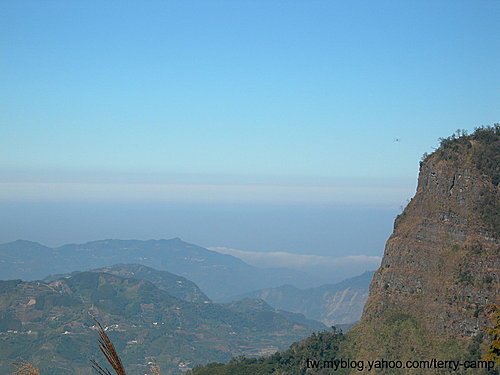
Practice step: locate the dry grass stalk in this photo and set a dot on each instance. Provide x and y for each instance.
(155, 369)
(25, 368)
(108, 350)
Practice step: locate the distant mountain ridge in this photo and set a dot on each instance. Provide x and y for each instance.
(208, 269)
(331, 304)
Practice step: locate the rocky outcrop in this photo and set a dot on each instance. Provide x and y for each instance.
(431, 297)
(331, 304)
(441, 265)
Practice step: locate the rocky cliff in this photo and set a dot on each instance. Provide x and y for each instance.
(441, 266)
(432, 297)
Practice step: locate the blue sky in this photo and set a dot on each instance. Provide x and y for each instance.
(237, 101)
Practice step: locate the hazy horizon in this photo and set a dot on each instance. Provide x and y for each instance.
(302, 229)
(259, 126)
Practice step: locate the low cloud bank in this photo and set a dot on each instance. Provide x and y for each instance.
(328, 267)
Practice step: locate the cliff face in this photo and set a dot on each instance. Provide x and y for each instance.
(441, 265)
(431, 297)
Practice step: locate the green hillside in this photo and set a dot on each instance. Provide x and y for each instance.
(294, 361)
(51, 324)
(174, 285)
